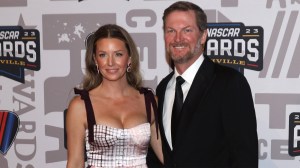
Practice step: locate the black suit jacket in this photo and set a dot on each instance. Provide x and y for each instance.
(217, 127)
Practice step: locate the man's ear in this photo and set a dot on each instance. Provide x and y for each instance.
(204, 37)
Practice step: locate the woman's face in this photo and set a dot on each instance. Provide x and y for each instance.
(112, 58)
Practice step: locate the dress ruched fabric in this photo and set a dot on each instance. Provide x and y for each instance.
(108, 147)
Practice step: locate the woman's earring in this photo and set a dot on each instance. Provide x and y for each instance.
(128, 67)
(97, 68)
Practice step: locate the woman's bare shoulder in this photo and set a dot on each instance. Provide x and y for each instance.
(76, 105)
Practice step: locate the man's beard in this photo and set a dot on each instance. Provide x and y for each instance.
(188, 56)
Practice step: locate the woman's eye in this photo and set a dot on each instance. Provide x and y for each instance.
(101, 55)
(119, 54)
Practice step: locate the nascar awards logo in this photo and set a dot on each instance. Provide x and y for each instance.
(235, 45)
(9, 126)
(294, 134)
(19, 50)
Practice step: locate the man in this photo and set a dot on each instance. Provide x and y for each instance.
(216, 126)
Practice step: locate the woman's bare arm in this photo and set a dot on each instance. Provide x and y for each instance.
(75, 129)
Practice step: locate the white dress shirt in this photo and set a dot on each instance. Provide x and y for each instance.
(188, 76)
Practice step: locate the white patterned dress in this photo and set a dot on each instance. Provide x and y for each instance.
(108, 147)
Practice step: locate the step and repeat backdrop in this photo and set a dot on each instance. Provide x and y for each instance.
(42, 58)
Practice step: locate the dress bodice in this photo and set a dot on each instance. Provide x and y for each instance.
(115, 147)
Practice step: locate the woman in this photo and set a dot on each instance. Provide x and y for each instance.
(114, 116)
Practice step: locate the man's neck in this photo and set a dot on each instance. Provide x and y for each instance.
(182, 67)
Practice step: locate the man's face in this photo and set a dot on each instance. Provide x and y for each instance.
(183, 38)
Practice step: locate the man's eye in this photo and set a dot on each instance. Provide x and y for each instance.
(188, 30)
(170, 31)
